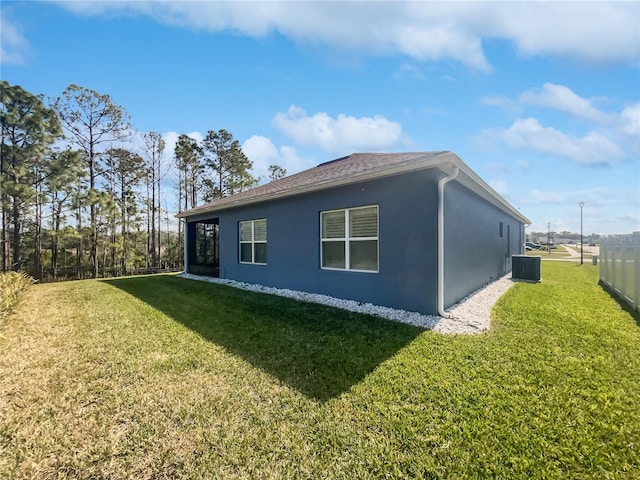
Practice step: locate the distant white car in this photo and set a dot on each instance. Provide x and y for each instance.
(532, 246)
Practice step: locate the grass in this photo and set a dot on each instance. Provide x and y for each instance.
(159, 377)
(12, 287)
(558, 252)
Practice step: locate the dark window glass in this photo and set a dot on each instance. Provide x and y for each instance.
(333, 255)
(245, 252)
(364, 255)
(260, 253)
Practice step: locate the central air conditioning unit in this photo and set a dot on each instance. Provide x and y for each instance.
(525, 267)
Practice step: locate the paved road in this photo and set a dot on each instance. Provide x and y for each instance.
(574, 250)
(573, 254)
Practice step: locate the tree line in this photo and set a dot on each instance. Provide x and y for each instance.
(78, 199)
(563, 236)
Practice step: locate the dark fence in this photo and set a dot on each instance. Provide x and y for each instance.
(81, 273)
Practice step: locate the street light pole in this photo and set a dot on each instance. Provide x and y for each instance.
(581, 239)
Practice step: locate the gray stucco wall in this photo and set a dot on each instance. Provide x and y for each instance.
(407, 243)
(475, 253)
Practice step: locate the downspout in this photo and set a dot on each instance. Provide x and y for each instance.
(441, 185)
(186, 246)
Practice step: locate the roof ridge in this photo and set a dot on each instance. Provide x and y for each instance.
(336, 160)
(319, 174)
(349, 169)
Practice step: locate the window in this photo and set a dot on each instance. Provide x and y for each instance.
(253, 241)
(349, 239)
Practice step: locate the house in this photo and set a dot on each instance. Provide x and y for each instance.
(415, 231)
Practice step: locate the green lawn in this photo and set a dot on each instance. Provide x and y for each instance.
(161, 377)
(558, 252)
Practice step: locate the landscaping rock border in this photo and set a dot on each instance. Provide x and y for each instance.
(471, 315)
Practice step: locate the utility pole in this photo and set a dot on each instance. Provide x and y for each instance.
(549, 238)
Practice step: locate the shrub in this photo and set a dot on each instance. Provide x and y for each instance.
(12, 286)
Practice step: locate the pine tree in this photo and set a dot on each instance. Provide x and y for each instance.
(127, 171)
(276, 172)
(188, 160)
(156, 170)
(228, 166)
(67, 171)
(92, 120)
(29, 128)
(187, 157)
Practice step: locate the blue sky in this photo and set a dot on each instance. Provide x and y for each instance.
(542, 100)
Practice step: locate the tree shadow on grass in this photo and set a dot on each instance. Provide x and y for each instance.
(320, 351)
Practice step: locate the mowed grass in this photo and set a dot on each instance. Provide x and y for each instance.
(161, 377)
(12, 287)
(558, 252)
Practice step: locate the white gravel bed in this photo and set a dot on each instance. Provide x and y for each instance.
(471, 315)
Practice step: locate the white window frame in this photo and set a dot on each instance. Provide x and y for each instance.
(252, 242)
(348, 239)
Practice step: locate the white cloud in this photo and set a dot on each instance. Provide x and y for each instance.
(263, 153)
(426, 31)
(440, 40)
(596, 147)
(524, 166)
(630, 120)
(560, 97)
(588, 31)
(592, 197)
(591, 149)
(341, 135)
(171, 138)
(606, 211)
(260, 150)
(501, 101)
(13, 45)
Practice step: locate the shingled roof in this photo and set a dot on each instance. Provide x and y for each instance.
(351, 169)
